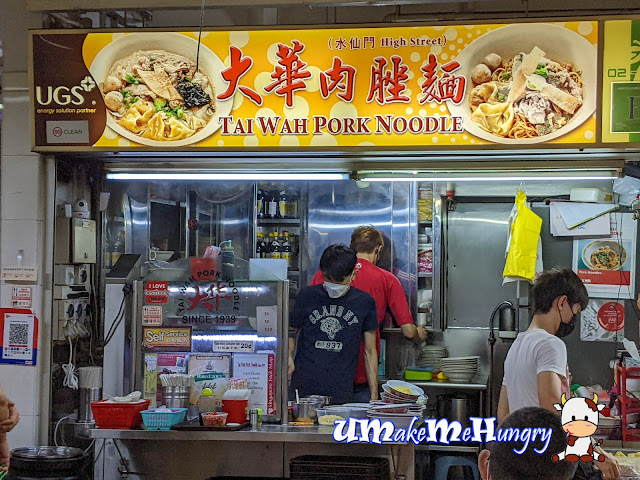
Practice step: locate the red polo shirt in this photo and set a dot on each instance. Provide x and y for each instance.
(387, 292)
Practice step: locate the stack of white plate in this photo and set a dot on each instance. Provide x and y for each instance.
(430, 355)
(460, 369)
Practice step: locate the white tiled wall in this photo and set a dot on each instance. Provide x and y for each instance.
(23, 195)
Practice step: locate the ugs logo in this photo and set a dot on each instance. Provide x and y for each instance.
(64, 95)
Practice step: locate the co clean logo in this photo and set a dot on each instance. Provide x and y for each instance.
(64, 95)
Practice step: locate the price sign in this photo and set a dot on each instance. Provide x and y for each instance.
(233, 346)
(267, 321)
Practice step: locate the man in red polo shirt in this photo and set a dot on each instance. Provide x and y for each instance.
(385, 289)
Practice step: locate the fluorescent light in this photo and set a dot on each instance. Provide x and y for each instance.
(256, 176)
(491, 176)
(234, 337)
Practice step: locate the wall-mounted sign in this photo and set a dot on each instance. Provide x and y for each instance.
(20, 273)
(620, 86)
(607, 265)
(173, 339)
(18, 336)
(414, 87)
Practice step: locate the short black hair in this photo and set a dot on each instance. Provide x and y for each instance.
(554, 283)
(337, 262)
(505, 464)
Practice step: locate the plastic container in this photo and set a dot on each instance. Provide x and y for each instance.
(237, 410)
(214, 419)
(418, 373)
(342, 412)
(163, 420)
(118, 416)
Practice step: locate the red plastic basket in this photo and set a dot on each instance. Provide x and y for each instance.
(118, 416)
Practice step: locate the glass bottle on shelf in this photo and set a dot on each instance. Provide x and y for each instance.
(276, 250)
(260, 245)
(260, 205)
(283, 210)
(273, 204)
(292, 203)
(286, 248)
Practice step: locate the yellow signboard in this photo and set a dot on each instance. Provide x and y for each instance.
(413, 87)
(621, 82)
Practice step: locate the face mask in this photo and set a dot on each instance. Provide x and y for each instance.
(566, 328)
(335, 290)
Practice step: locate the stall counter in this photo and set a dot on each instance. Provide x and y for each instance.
(200, 455)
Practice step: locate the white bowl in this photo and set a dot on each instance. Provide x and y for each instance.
(173, 43)
(559, 44)
(593, 246)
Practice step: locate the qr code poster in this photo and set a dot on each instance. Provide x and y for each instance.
(602, 321)
(18, 337)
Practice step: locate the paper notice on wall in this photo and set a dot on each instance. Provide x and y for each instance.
(599, 226)
(267, 321)
(209, 371)
(602, 321)
(259, 370)
(607, 265)
(150, 377)
(151, 315)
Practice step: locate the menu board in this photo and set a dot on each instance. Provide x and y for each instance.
(398, 87)
(620, 82)
(607, 265)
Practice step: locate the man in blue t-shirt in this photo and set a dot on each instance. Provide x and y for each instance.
(331, 320)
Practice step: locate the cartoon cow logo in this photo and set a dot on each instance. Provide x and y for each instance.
(580, 421)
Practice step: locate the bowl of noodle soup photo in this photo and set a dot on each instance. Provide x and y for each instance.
(152, 92)
(527, 83)
(604, 255)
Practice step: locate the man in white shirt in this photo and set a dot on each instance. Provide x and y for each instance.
(535, 370)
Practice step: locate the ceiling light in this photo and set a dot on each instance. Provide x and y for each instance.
(491, 176)
(255, 176)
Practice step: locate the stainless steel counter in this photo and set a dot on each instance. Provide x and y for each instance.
(268, 433)
(272, 449)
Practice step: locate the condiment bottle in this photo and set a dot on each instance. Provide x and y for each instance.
(286, 248)
(283, 205)
(276, 251)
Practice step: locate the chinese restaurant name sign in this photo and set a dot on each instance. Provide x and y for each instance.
(403, 87)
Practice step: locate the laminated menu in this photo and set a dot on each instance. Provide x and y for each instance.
(169, 363)
(259, 370)
(209, 371)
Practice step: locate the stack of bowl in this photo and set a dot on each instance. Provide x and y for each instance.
(460, 369)
(400, 402)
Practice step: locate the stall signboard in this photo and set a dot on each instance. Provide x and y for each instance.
(607, 265)
(621, 82)
(414, 87)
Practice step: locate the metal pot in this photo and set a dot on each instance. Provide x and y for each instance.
(175, 397)
(306, 409)
(325, 399)
(54, 463)
(455, 408)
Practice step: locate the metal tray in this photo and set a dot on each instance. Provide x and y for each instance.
(195, 426)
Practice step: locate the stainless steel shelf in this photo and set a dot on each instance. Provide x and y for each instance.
(425, 275)
(278, 221)
(478, 383)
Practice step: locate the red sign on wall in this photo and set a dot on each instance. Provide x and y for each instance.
(156, 292)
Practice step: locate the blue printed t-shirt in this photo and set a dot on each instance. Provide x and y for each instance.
(331, 330)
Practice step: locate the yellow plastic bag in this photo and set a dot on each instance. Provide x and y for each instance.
(523, 245)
